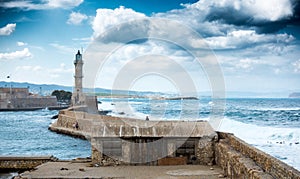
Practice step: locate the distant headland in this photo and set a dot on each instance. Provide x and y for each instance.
(294, 95)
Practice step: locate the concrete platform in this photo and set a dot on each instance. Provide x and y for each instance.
(82, 170)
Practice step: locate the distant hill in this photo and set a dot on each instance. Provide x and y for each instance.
(47, 89)
(44, 89)
(294, 95)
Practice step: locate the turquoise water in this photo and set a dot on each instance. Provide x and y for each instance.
(26, 133)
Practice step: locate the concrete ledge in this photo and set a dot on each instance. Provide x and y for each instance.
(108, 126)
(15, 163)
(50, 157)
(70, 132)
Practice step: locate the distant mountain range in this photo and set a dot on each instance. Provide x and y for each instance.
(47, 89)
(44, 89)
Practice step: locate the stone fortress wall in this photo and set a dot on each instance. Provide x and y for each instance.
(203, 146)
(19, 98)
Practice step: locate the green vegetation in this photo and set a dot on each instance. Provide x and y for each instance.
(62, 95)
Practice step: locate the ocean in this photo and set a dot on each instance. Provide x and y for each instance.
(25, 133)
(272, 125)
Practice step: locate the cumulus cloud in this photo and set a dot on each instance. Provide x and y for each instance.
(239, 32)
(242, 11)
(8, 29)
(25, 53)
(221, 16)
(76, 18)
(47, 4)
(122, 17)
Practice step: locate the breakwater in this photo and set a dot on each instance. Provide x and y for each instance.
(236, 157)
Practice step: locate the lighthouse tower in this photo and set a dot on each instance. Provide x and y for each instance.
(78, 96)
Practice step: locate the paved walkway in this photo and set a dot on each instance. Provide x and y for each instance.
(82, 170)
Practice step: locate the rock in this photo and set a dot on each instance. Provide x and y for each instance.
(221, 176)
(54, 117)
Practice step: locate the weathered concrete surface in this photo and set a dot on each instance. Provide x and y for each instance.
(81, 170)
(23, 163)
(108, 126)
(132, 141)
(239, 159)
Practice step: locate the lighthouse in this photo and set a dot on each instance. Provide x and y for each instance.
(78, 96)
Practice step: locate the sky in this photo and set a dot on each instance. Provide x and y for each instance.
(170, 45)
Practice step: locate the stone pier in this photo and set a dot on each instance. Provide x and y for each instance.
(123, 141)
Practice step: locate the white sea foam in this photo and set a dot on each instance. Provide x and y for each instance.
(278, 109)
(282, 143)
(106, 105)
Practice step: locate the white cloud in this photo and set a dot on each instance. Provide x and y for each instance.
(8, 29)
(21, 44)
(47, 4)
(296, 66)
(267, 10)
(107, 18)
(248, 64)
(245, 38)
(76, 18)
(64, 3)
(25, 53)
(249, 52)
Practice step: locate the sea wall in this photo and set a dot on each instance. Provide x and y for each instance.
(241, 160)
(115, 142)
(23, 163)
(28, 102)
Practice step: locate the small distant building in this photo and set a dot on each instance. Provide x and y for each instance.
(20, 98)
(79, 99)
